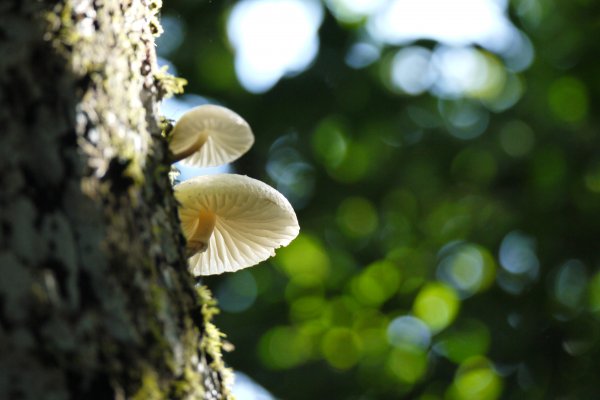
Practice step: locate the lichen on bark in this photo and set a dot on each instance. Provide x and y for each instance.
(95, 297)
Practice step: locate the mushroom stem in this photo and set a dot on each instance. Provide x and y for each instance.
(197, 242)
(186, 151)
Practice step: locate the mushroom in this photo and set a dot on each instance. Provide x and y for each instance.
(208, 136)
(232, 222)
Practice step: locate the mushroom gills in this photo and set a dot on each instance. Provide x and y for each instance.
(242, 220)
(209, 136)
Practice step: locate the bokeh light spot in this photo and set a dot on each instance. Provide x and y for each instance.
(362, 54)
(468, 268)
(408, 330)
(414, 266)
(353, 11)
(581, 341)
(376, 283)
(407, 363)
(370, 325)
(517, 254)
(476, 380)
(293, 175)
(354, 166)
(465, 71)
(341, 311)
(459, 22)
(244, 388)
(510, 93)
(465, 119)
(517, 138)
(570, 284)
(304, 261)
(468, 339)
(237, 292)
(215, 66)
(411, 71)
(568, 99)
(437, 305)
(594, 294)
(284, 347)
(329, 142)
(273, 38)
(592, 177)
(450, 221)
(341, 348)
(307, 307)
(357, 217)
(519, 259)
(172, 36)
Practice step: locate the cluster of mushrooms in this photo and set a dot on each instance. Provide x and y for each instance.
(230, 221)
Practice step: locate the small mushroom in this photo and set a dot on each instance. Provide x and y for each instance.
(232, 222)
(208, 136)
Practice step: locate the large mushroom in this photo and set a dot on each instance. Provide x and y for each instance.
(232, 222)
(208, 136)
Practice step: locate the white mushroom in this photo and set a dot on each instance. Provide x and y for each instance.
(210, 135)
(232, 222)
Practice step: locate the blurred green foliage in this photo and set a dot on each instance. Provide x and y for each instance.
(449, 245)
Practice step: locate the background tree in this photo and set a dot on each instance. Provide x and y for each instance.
(95, 298)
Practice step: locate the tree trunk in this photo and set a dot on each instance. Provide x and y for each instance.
(95, 297)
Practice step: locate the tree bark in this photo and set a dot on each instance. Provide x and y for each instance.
(95, 297)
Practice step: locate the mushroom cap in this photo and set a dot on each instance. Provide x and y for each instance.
(251, 220)
(210, 135)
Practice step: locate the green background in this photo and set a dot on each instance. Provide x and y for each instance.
(428, 266)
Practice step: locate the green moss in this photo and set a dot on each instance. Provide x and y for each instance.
(155, 6)
(166, 126)
(155, 27)
(188, 387)
(212, 340)
(167, 84)
(150, 389)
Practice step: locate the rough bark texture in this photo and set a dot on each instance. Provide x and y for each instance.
(95, 298)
